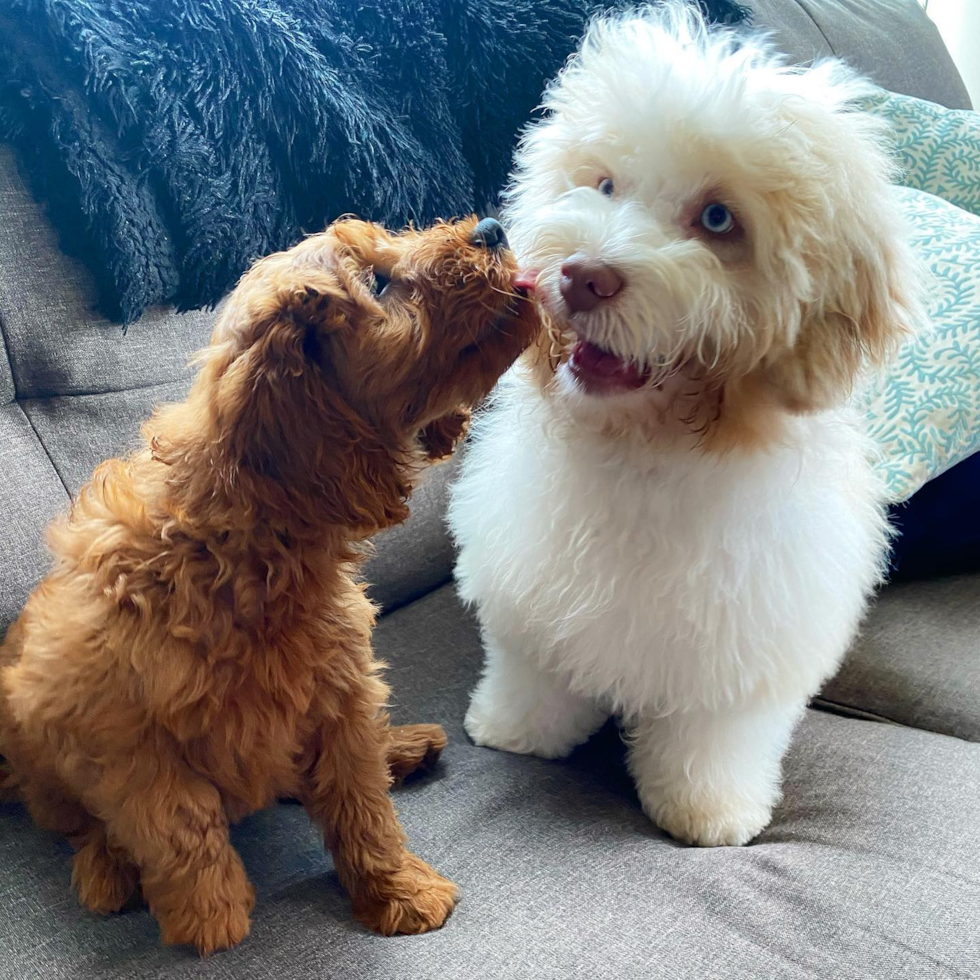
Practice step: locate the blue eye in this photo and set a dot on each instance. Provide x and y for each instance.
(717, 219)
(606, 186)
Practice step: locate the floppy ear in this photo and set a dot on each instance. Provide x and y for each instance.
(283, 428)
(874, 305)
(440, 437)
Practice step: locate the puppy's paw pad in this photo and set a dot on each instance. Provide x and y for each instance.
(413, 900)
(305, 300)
(722, 823)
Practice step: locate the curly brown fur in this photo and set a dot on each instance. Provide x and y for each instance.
(202, 645)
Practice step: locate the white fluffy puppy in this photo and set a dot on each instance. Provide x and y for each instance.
(670, 515)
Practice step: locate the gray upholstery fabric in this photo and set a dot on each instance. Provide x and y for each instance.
(892, 41)
(30, 495)
(7, 392)
(868, 871)
(80, 431)
(57, 345)
(917, 660)
(416, 556)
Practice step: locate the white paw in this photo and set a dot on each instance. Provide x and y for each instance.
(511, 735)
(723, 821)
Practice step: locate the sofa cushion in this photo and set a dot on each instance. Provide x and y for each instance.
(917, 660)
(56, 343)
(31, 493)
(7, 390)
(892, 41)
(869, 868)
(417, 556)
(80, 431)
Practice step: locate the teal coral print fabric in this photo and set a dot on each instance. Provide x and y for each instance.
(925, 410)
(938, 149)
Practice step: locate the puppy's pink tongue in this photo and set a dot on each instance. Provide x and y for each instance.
(600, 369)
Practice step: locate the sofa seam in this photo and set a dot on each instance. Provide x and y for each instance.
(813, 20)
(843, 709)
(6, 348)
(41, 443)
(414, 597)
(107, 391)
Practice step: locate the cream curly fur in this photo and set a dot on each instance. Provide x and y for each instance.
(696, 554)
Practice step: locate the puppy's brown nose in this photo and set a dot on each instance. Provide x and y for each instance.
(489, 233)
(585, 283)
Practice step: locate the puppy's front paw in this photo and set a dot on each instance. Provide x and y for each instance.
(212, 915)
(218, 930)
(415, 899)
(723, 821)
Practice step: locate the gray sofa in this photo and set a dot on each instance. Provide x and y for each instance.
(870, 869)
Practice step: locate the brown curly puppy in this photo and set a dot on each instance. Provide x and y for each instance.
(202, 645)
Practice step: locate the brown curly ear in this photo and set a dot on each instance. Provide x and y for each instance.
(280, 430)
(439, 438)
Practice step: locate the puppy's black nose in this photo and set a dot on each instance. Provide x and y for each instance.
(489, 233)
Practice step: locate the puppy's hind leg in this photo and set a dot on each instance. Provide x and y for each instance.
(103, 874)
(413, 747)
(347, 794)
(9, 784)
(519, 707)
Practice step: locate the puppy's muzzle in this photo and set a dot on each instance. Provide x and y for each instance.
(489, 233)
(586, 283)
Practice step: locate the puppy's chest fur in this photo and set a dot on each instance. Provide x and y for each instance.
(248, 713)
(666, 579)
(239, 701)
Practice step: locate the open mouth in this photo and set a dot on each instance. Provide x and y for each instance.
(599, 370)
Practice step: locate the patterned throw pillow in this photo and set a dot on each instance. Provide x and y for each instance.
(937, 148)
(925, 410)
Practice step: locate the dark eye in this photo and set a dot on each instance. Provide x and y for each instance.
(379, 283)
(606, 186)
(717, 219)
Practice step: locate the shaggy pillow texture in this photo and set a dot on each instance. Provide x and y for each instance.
(177, 140)
(925, 410)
